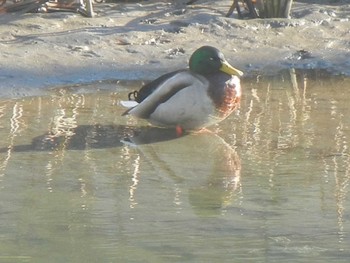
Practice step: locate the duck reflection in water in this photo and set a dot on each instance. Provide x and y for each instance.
(202, 164)
(205, 165)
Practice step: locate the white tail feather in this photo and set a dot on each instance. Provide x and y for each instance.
(128, 103)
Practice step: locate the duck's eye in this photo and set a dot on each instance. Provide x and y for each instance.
(214, 59)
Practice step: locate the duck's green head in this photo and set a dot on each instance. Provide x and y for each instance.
(207, 60)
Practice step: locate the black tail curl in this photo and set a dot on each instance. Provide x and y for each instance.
(133, 95)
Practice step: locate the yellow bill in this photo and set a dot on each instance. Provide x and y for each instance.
(228, 69)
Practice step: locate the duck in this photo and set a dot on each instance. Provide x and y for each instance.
(190, 99)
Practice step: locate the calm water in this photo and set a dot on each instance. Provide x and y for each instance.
(80, 183)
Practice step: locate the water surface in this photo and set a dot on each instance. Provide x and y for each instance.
(81, 183)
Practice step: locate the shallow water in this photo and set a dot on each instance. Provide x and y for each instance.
(80, 183)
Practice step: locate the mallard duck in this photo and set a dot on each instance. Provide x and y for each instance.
(190, 99)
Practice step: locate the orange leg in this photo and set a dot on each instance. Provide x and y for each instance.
(179, 131)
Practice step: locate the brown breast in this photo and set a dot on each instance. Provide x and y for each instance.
(229, 101)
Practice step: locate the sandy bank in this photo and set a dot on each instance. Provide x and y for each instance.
(142, 41)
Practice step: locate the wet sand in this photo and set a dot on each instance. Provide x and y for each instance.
(129, 41)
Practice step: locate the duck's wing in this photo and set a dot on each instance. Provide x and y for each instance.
(145, 91)
(165, 91)
(150, 87)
